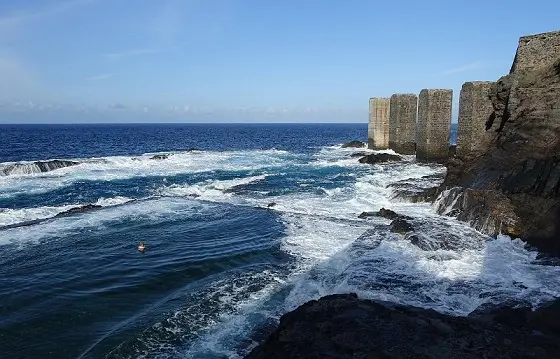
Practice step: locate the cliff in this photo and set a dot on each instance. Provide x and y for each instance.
(512, 185)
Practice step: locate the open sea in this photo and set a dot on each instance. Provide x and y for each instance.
(221, 266)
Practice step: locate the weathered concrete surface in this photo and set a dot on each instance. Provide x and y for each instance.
(434, 125)
(343, 326)
(536, 51)
(475, 109)
(378, 126)
(402, 123)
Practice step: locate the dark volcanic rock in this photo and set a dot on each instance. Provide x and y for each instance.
(415, 196)
(355, 144)
(399, 225)
(359, 154)
(36, 167)
(515, 178)
(79, 209)
(385, 213)
(159, 157)
(343, 326)
(367, 214)
(271, 204)
(379, 157)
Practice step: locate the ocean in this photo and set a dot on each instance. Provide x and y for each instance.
(242, 223)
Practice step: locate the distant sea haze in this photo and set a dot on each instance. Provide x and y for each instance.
(241, 223)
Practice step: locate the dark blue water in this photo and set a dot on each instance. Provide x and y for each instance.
(257, 220)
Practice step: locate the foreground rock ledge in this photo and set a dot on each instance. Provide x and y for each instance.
(343, 326)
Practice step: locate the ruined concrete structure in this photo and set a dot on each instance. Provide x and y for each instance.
(536, 51)
(434, 125)
(475, 108)
(402, 123)
(378, 126)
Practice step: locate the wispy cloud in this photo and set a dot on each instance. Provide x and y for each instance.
(129, 53)
(472, 66)
(31, 14)
(100, 77)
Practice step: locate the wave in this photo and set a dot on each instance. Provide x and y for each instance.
(12, 218)
(26, 168)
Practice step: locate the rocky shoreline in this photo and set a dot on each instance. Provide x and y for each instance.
(510, 185)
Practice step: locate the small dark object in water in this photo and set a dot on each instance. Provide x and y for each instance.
(379, 157)
(159, 157)
(271, 204)
(401, 226)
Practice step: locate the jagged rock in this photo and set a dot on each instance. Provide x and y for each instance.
(36, 167)
(415, 195)
(271, 204)
(515, 178)
(79, 209)
(355, 144)
(359, 154)
(343, 326)
(401, 226)
(379, 157)
(366, 215)
(159, 157)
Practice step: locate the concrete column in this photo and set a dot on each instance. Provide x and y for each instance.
(402, 123)
(378, 126)
(434, 125)
(474, 110)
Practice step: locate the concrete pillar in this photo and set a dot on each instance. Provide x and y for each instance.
(378, 126)
(434, 125)
(474, 110)
(402, 123)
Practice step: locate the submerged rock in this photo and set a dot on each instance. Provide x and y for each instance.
(159, 157)
(359, 154)
(79, 209)
(355, 144)
(343, 326)
(379, 158)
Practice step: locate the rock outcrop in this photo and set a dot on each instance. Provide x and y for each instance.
(513, 187)
(379, 158)
(343, 326)
(35, 167)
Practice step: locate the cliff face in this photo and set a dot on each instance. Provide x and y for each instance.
(514, 186)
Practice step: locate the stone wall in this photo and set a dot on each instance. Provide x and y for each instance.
(402, 123)
(475, 108)
(536, 51)
(434, 125)
(378, 126)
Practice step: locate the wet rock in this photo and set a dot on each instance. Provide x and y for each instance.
(79, 209)
(159, 157)
(359, 154)
(401, 226)
(387, 213)
(354, 144)
(271, 204)
(343, 326)
(36, 167)
(379, 158)
(367, 214)
(416, 195)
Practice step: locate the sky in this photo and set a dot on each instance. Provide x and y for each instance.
(75, 61)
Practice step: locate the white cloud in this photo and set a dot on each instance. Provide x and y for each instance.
(472, 66)
(100, 77)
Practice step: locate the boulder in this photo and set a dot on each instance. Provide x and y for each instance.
(379, 158)
(401, 226)
(354, 144)
(344, 326)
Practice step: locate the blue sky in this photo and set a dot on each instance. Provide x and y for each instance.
(246, 60)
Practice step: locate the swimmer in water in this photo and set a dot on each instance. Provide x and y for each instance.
(141, 247)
